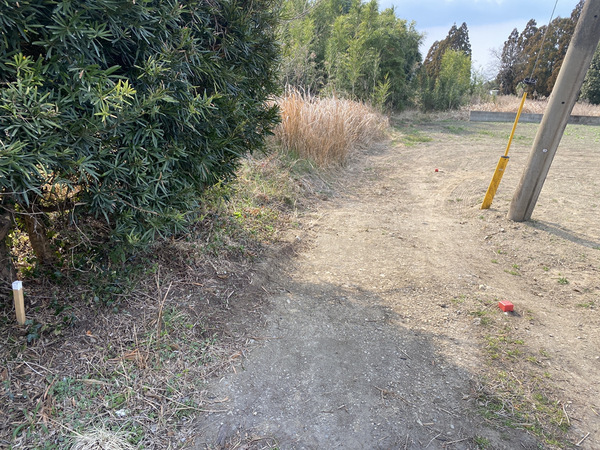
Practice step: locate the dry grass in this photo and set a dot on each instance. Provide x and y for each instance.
(325, 130)
(101, 439)
(510, 103)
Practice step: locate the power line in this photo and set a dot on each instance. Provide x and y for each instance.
(530, 79)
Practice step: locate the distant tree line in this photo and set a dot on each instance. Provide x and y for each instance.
(536, 54)
(353, 48)
(445, 77)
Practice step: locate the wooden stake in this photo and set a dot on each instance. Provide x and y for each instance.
(19, 301)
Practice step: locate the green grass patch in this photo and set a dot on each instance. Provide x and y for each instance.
(455, 129)
(588, 305)
(411, 136)
(515, 390)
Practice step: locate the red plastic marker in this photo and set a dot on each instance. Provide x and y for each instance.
(505, 305)
(436, 170)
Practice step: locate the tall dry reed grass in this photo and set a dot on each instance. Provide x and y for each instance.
(510, 103)
(326, 130)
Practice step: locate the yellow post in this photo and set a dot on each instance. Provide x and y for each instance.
(493, 187)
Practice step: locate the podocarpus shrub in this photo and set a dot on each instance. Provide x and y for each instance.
(127, 110)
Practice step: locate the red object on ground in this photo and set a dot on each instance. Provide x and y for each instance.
(436, 170)
(505, 305)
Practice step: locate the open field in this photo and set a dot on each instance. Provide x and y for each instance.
(384, 331)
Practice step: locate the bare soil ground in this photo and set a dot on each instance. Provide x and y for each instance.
(382, 330)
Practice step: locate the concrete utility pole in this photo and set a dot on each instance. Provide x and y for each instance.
(564, 95)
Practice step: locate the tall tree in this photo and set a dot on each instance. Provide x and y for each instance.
(457, 39)
(525, 45)
(349, 46)
(544, 51)
(299, 60)
(433, 60)
(324, 15)
(369, 50)
(431, 87)
(454, 80)
(397, 45)
(509, 60)
(591, 85)
(538, 53)
(562, 30)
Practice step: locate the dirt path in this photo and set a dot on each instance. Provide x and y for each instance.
(381, 329)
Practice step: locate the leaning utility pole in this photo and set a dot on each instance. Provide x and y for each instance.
(564, 95)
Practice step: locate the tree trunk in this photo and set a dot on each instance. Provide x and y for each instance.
(7, 268)
(38, 239)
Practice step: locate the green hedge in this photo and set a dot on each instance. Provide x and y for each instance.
(127, 110)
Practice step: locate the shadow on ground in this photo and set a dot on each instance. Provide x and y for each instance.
(335, 368)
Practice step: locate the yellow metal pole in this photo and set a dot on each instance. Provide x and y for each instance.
(512, 133)
(493, 187)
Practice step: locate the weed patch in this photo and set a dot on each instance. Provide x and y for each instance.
(411, 136)
(455, 129)
(514, 390)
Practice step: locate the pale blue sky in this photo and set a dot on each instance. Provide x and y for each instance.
(489, 21)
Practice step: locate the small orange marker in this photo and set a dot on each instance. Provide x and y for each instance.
(505, 305)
